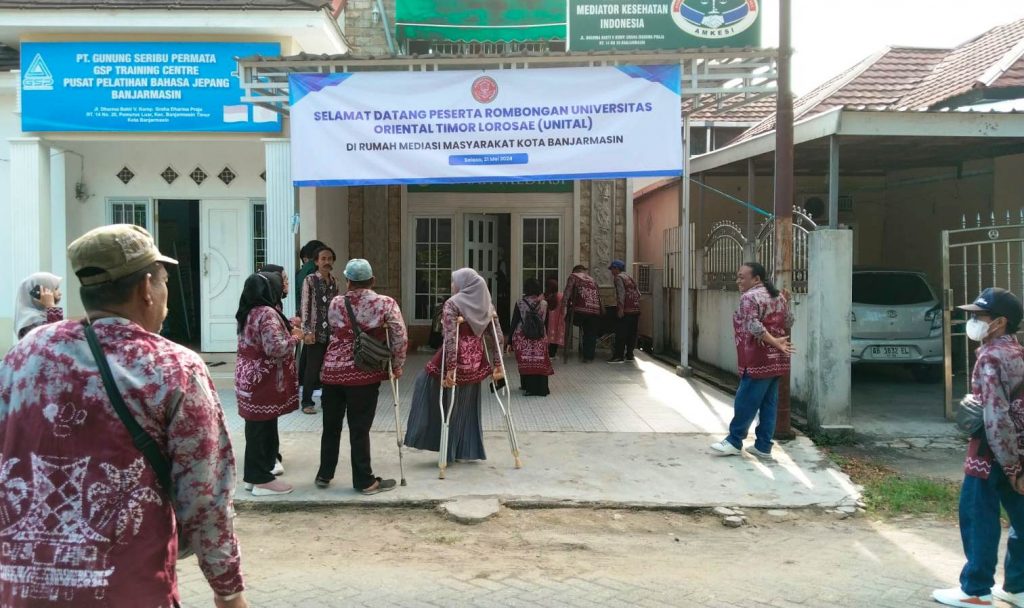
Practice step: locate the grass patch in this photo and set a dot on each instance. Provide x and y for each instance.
(888, 493)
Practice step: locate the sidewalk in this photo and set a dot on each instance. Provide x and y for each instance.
(631, 435)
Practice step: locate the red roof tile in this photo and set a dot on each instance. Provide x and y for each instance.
(733, 109)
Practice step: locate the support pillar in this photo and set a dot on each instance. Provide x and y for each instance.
(833, 182)
(749, 252)
(281, 209)
(684, 257)
(30, 207)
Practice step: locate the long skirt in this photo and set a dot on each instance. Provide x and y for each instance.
(466, 436)
(536, 385)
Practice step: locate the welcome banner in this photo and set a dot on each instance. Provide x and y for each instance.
(374, 128)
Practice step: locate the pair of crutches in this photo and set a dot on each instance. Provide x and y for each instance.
(506, 405)
(398, 422)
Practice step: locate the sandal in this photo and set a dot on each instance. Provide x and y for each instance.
(309, 409)
(381, 485)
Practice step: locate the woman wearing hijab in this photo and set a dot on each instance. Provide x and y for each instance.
(36, 303)
(529, 340)
(471, 301)
(556, 316)
(266, 384)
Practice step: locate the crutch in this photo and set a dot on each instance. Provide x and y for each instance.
(567, 336)
(446, 419)
(398, 423)
(506, 406)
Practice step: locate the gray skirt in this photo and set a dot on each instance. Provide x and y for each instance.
(465, 438)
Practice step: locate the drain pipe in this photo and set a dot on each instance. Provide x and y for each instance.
(392, 47)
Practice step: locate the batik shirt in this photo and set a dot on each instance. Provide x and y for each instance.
(477, 355)
(53, 314)
(760, 313)
(377, 315)
(83, 520)
(581, 293)
(266, 383)
(997, 381)
(317, 294)
(627, 296)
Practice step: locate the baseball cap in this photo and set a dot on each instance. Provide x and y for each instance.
(358, 269)
(617, 264)
(999, 303)
(113, 252)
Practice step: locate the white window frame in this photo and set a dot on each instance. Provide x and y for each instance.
(257, 202)
(410, 261)
(134, 200)
(560, 258)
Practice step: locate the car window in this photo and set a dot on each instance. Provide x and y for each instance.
(890, 288)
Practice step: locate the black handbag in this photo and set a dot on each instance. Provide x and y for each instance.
(369, 353)
(142, 440)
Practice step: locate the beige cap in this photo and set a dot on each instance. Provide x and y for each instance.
(113, 252)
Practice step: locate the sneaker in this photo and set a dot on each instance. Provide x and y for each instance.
(630, 358)
(321, 482)
(724, 448)
(1013, 599)
(756, 452)
(272, 488)
(956, 597)
(278, 468)
(248, 487)
(616, 360)
(381, 485)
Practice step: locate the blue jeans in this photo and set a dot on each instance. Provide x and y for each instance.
(980, 528)
(755, 397)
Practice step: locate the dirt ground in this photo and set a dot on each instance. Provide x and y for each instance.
(414, 557)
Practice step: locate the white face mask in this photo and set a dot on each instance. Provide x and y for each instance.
(977, 329)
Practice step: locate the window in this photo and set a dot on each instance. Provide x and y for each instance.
(259, 234)
(129, 211)
(433, 264)
(890, 288)
(541, 248)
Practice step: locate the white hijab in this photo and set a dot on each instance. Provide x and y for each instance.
(27, 312)
(472, 299)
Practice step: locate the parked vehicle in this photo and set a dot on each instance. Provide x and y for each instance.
(897, 319)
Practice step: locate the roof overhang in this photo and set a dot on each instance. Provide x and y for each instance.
(873, 142)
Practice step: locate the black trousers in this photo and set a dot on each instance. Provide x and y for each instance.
(360, 404)
(314, 359)
(552, 350)
(625, 336)
(588, 334)
(261, 446)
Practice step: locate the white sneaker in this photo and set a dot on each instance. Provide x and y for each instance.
(956, 597)
(248, 487)
(272, 488)
(756, 452)
(278, 468)
(1013, 599)
(724, 448)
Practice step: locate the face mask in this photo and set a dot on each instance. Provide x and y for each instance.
(977, 329)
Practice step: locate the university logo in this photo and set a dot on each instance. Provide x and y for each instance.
(38, 76)
(485, 89)
(714, 19)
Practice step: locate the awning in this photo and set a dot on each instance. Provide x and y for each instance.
(480, 20)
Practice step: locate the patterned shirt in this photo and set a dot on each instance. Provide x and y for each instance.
(627, 296)
(582, 295)
(317, 294)
(473, 364)
(374, 312)
(53, 314)
(759, 313)
(83, 519)
(266, 383)
(997, 381)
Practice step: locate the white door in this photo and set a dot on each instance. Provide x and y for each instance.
(481, 253)
(225, 242)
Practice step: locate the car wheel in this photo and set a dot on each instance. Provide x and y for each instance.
(927, 374)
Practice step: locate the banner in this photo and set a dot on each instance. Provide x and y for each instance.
(139, 86)
(372, 128)
(644, 25)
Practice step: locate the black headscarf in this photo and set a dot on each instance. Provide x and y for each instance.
(260, 289)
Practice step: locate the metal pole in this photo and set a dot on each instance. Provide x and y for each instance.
(784, 191)
(833, 182)
(751, 184)
(684, 257)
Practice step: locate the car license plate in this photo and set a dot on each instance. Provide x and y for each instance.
(891, 352)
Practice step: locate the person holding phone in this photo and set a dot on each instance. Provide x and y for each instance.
(37, 303)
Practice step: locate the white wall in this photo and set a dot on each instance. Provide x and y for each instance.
(10, 126)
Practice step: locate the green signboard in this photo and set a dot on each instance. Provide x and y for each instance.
(540, 186)
(605, 25)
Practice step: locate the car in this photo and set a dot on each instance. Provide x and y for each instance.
(897, 320)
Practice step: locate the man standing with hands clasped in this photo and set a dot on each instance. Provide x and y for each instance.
(995, 455)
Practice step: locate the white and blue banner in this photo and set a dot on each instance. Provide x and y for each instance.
(373, 128)
(139, 86)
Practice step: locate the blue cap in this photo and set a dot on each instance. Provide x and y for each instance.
(358, 269)
(617, 265)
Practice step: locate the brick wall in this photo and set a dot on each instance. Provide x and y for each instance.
(364, 36)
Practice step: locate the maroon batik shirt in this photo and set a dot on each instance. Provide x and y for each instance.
(582, 295)
(627, 296)
(374, 313)
(997, 381)
(83, 519)
(760, 313)
(473, 365)
(266, 383)
(53, 314)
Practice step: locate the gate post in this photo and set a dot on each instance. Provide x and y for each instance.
(947, 322)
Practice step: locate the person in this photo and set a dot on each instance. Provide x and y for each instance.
(627, 309)
(86, 521)
(307, 255)
(763, 352)
(266, 383)
(471, 301)
(532, 356)
(37, 303)
(556, 317)
(995, 456)
(318, 291)
(583, 302)
(352, 391)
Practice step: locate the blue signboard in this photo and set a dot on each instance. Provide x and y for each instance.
(139, 86)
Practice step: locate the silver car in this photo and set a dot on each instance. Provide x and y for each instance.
(897, 319)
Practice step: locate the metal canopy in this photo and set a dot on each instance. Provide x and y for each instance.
(727, 78)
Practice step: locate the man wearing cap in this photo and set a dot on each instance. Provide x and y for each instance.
(349, 390)
(995, 456)
(583, 308)
(627, 307)
(85, 520)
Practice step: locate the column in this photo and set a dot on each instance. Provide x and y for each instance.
(28, 223)
(281, 209)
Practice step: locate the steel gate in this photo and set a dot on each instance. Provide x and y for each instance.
(988, 254)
